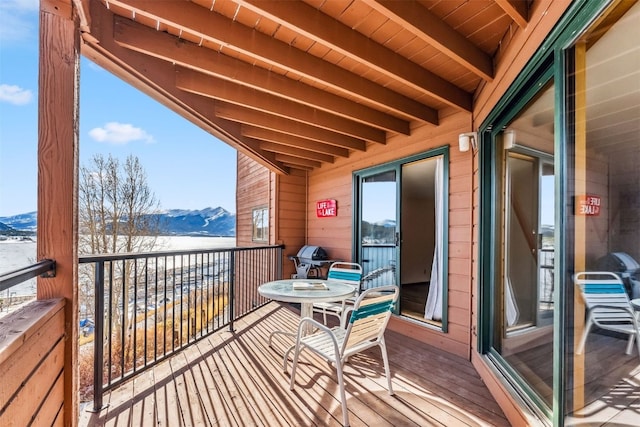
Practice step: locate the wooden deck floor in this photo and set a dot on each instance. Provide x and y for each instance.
(235, 379)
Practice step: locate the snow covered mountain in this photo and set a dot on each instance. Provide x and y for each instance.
(178, 222)
(22, 222)
(204, 222)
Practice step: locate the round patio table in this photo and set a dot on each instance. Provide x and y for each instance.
(306, 292)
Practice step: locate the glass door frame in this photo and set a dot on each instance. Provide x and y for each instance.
(489, 228)
(396, 165)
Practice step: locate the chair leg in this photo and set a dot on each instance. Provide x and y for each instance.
(294, 366)
(630, 344)
(385, 360)
(285, 359)
(583, 340)
(343, 396)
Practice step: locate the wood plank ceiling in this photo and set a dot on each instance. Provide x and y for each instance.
(295, 84)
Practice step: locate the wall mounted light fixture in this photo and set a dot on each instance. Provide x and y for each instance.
(466, 140)
(509, 139)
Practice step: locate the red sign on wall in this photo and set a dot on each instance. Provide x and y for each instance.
(326, 208)
(588, 205)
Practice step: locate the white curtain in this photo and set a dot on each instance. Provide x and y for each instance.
(433, 307)
(510, 301)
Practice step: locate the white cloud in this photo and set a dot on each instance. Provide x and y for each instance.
(119, 133)
(19, 20)
(15, 94)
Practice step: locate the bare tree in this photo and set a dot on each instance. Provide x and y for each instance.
(116, 215)
(116, 207)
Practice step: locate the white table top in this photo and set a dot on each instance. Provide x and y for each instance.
(282, 290)
(636, 304)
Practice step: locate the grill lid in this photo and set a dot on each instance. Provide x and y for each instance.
(312, 253)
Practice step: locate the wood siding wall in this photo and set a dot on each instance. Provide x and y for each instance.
(252, 191)
(285, 195)
(32, 341)
(290, 215)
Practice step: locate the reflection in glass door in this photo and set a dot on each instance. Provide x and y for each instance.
(529, 231)
(603, 224)
(523, 261)
(378, 224)
(546, 242)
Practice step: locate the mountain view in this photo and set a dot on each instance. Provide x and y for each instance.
(174, 222)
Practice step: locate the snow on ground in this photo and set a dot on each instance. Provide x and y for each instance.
(15, 254)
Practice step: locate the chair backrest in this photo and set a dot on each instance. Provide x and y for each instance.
(371, 313)
(602, 290)
(349, 273)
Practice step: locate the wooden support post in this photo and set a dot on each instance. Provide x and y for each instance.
(58, 85)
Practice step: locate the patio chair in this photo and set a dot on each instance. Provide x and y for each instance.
(608, 306)
(365, 329)
(349, 273)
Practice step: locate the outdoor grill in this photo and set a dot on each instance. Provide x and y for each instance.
(309, 259)
(626, 267)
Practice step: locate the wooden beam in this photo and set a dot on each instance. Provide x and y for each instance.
(156, 78)
(297, 152)
(135, 36)
(517, 10)
(317, 26)
(223, 90)
(292, 166)
(58, 124)
(290, 127)
(211, 26)
(297, 161)
(425, 25)
(293, 141)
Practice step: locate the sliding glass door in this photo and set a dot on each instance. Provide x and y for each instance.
(523, 304)
(560, 223)
(401, 232)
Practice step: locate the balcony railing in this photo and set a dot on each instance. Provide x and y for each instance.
(379, 265)
(139, 309)
(14, 278)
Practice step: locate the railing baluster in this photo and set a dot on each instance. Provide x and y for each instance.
(98, 336)
(231, 290)
(173, 307)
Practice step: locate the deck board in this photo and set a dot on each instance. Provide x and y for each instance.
(236, 379)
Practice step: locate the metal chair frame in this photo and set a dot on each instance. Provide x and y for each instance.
(365, 329)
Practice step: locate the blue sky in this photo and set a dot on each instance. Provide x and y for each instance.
(186, 167)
